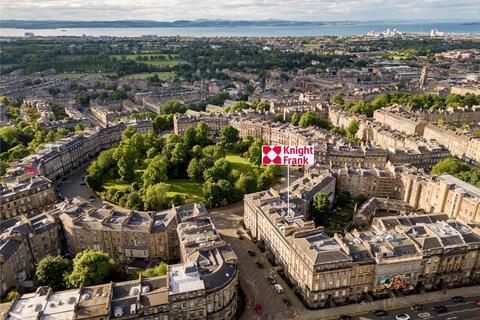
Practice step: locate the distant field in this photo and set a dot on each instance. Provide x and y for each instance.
(161, 75)
(83, 75)
(312, 45)
(166, 62)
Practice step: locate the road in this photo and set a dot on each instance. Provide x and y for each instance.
(464, 311)
(72, 186)
(253, 279)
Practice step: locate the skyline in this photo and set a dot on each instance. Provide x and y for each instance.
(303, 10)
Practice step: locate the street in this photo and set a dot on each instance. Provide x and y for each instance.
(465, 311)
(71, 187)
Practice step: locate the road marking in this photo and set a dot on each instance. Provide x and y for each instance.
(456, 311)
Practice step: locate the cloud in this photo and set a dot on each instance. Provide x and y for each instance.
(170, 10)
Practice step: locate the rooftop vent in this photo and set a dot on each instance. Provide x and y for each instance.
(118, 312)
(134, 291)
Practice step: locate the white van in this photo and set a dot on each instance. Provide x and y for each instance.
(278, 288)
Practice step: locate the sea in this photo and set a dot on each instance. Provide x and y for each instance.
(255, 31)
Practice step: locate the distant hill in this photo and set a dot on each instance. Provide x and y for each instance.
(55, 24)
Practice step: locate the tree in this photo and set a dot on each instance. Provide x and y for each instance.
(179, 159)
(134, 201)
(246, 184)
(221, 170)
(311, 119)
(155, 197)
(320, 208)
(126, 155)
(229, 135)
(11, 295)
(295, 119)
(156, 171)
(172, 107)
(352, 129)
(255, 152)
(159, 270)
(90, 268)
(195, 170)
(197, 152)
(217, 193)
(450, 166)
(79, 127)
(189, 138)
(52, 271)
(163, 122)
(202, 133)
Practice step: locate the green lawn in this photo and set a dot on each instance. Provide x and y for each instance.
(191, 191)
(240, 164)
(161, 75)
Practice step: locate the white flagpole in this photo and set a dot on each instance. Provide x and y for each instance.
(288, 189)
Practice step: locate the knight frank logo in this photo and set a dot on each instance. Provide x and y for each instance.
(288, 155)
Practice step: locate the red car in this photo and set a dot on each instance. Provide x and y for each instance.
(477, 303)
(259, 309)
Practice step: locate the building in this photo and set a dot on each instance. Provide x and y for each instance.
(59, 158)
(27, 194)
(202, 286)
(23, 243)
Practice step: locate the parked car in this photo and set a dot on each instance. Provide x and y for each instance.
(440, 309)
(458, 299)
(251, 253)
(380, 313)
(272, 280)
(259, 264)
(259, 309)
(424, 315)
(345, 317)
(402, 316)
(91, 198)
(278, 288)
(477, 303)
(83, 183)
(417, 307)
(287, 302)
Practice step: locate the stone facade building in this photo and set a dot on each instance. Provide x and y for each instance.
(24, 241)
(203, 286)
(27, 194)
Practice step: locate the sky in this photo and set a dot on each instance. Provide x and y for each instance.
(307, 10)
